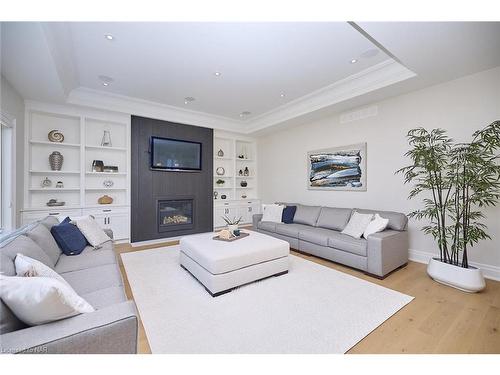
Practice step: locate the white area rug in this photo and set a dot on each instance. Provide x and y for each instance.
(312, 309)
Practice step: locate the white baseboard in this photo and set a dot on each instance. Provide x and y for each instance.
(489, 272)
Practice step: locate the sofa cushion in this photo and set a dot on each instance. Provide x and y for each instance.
(334, 218)
(25, 245)
(93, 279)
(49, 222)
(307, 215)
(7, 266)
(270, 226)
(319, 236)
(42, 236)
(397, 220)
(105, 297)
(290, 230)
(87, 259)
(68, 237)
(347, 243)
(8, 321)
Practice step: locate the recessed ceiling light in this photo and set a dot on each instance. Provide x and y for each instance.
(282, 95)
(217, 74)
(105, 80)
(245, 113)
(109, 36)
(354, 61)
(188, 99)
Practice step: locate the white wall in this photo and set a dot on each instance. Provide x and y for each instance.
(460, 106)
(13, 104)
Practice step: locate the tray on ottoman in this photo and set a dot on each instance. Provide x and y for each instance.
(221, 266)
(242, 235)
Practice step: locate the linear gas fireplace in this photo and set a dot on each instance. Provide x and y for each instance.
(175, 214)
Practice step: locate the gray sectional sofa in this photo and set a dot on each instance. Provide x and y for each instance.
(316, 230)
(94, 275)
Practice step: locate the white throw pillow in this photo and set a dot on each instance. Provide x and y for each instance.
(29, 267)
(378, 224)
(40, 300)
(92, 231)
(357, 224)
(272, 212)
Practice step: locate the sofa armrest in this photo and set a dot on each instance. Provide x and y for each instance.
(109, 232)
(387, 251)
(112, 329)
(255, 220)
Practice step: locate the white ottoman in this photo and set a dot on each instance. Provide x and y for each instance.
(221, 266)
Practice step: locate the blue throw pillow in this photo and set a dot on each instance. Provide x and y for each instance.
(288, 214)
(68, 237)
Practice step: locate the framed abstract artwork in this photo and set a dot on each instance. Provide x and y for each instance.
(338, 168)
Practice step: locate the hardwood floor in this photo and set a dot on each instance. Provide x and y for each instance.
(439, 320)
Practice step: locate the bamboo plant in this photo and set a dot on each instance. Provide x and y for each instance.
(457, 181)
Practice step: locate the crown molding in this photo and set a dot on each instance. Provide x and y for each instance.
(376, 77)
(120, 103)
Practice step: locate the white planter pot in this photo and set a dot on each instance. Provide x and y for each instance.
(467, 279)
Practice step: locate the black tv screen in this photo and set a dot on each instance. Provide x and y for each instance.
(175, 155)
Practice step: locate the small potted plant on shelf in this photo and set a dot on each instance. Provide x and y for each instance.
(220, 182)
(232, 225)
(458, 180)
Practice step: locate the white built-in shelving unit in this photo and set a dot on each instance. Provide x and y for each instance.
(238, 153)
(83, 131)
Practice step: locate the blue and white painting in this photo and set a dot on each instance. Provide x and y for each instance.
(339, 168)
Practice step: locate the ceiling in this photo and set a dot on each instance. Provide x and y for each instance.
(278, 72)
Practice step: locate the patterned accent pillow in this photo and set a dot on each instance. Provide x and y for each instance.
(357, 224)
(92, 231)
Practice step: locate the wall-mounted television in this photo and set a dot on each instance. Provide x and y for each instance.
(169, 154)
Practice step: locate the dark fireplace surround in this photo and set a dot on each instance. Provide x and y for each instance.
(169, 204)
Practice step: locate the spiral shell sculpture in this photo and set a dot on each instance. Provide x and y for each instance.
(55, 136)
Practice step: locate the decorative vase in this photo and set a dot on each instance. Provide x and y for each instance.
(97, 166)
(105, 199)
(243, 183)
(220, 171)
(46, 183)
(220, 153)
(240, 172)
(106, 139)
(59, 184)
(223, 196)
(466, 279)
(246, 172)
(232, 228)
(55, 136)
(56, 161)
